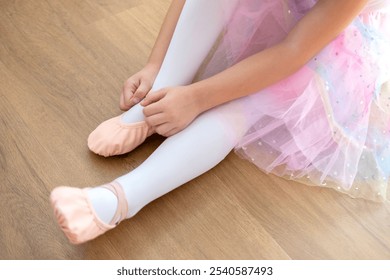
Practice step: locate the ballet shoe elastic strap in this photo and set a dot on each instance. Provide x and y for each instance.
(122, 208)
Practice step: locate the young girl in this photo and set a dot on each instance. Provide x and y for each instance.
(298, 87)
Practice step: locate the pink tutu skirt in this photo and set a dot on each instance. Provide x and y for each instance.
(329, 123)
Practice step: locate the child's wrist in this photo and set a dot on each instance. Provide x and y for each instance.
(153, 67)
(197, 95)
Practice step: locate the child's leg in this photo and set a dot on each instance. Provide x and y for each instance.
(189, 153)
(199, 25)
(179, 159)
(182, 157)
(193, 38)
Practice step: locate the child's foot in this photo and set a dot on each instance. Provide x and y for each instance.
(115, 137)
(77, 217)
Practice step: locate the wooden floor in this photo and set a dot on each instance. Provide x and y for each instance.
(62, 66)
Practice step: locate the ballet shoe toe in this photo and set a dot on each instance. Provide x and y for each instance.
(75, 215)
(114, 137)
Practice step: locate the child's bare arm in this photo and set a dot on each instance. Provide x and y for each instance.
(138, 85)
(317, 29)
(172, 109)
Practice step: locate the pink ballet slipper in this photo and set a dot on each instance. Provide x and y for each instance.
(76, 216)
(114, 137)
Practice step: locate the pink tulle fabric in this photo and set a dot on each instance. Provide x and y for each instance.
(329, 123)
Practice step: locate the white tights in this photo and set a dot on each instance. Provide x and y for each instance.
(206, 141)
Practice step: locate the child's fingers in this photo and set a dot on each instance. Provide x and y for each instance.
(152, 109)
(155, 120)
(140, 93)
(164, 129)
(122, 103)
(126, 96)
(153, 97)
(171, 132)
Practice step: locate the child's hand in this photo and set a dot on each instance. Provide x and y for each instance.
(170, 110)
(137, 86)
